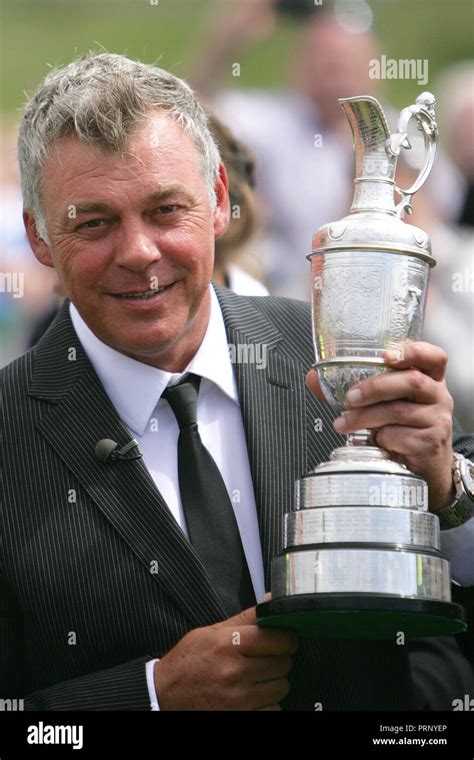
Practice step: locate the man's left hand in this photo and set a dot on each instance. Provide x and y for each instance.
(409, 412)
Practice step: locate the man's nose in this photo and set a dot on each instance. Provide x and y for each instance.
(136, 246)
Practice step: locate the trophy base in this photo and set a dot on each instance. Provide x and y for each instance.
(361, 617)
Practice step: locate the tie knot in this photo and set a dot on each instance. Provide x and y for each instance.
(182, 398)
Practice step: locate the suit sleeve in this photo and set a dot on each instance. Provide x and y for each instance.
(120, 688)
(123, 687)
(440, 673)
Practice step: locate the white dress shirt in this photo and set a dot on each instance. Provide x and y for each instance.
(135, 390)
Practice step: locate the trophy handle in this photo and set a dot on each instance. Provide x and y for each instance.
(423, 111)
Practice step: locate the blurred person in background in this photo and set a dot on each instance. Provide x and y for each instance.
(455, 91)
(449, 320)
(299, 135)
(235, 258)
(302, 146)
(25, 284)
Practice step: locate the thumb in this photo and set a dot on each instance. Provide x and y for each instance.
(245, 617)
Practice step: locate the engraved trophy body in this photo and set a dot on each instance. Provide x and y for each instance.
(361, 556)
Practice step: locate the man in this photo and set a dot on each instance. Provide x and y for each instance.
(110, 590)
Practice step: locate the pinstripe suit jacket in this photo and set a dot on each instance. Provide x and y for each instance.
(80, 611)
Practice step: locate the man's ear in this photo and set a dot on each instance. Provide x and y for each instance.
(222, 210)
(41, 249)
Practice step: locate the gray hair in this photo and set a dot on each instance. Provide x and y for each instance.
(101, 98)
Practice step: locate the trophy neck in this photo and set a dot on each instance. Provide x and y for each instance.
(374, 196)
(375, 167)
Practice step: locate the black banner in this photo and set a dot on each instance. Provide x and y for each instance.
(140, 735)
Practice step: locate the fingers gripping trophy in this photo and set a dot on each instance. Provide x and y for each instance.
(361, 556)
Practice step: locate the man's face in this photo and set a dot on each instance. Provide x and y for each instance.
(128, 224)
(335, 64)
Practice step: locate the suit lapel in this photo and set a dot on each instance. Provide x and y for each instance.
(82, 414)
(288, 431)
(272, 399)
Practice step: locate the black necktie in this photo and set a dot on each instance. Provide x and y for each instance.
(210, 518)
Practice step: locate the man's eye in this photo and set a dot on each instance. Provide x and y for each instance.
(170, 209)
(93, 224)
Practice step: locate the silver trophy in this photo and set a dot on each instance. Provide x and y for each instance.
(361, 555)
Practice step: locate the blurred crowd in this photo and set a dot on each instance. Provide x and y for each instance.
(290, 161)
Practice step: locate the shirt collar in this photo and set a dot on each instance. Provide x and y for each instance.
(119, 373)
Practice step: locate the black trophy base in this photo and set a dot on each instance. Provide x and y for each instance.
(352, 616)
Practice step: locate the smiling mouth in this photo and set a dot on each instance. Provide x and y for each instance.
(144, 294)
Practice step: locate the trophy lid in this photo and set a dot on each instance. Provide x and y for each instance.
(374, 222)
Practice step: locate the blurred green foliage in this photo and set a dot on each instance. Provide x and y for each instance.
(39, 33)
